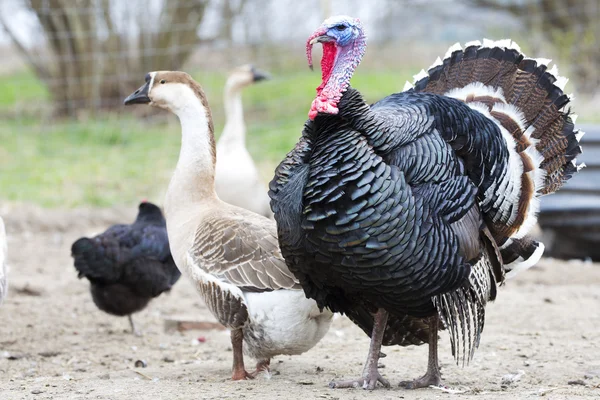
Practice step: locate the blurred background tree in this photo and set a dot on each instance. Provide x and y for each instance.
(67, 65)
(571, 27)
(92, 49)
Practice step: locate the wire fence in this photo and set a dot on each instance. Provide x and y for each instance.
(86, 57)
(68, 65)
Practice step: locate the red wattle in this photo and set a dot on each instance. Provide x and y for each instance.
(327, 63)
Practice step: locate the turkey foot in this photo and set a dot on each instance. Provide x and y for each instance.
(423, 382)
(134, 329)
(432, 377)
(262, 365)
(369, 381)
(239, 372)
(371, 374)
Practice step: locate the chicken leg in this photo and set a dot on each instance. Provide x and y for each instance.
(133, 327)
(432, 377)
(370, 375)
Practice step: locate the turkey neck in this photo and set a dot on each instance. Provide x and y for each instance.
(346, 60)
(194, 178)
(234, 132)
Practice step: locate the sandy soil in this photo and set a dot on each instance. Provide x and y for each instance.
(54, 343)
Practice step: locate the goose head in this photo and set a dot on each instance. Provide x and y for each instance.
(245, 75)
(174, 91)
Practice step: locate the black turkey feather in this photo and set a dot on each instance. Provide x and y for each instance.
(415, 208)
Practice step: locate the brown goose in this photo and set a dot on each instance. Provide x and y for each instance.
(230, 254)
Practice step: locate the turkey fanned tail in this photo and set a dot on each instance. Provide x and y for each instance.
(526, 101)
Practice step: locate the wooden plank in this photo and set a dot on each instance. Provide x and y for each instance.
(187, 324)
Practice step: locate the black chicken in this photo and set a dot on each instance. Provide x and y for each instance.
(128, 265)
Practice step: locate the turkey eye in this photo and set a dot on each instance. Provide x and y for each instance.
(340, 27)
(162, 81)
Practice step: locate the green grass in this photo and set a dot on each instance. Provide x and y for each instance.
(118, 159)
(21, 88)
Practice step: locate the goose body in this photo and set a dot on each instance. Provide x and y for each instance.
(230, 254)
(237, 179)
(3, 266)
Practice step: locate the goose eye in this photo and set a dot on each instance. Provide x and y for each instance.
(162, 81)
(340, 27)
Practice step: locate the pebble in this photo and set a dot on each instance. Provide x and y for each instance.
(37, 391)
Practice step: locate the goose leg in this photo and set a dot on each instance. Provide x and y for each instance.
(133, 327)
(432, 377)
(370, 375)
(239, 371)
(262, 365)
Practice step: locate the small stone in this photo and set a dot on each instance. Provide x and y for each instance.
(140, 364)
(37, 391)
(509, 379)
(168, 359)
(47, 354)
(577, 382)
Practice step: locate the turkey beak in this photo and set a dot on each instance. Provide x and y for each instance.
(140, 96)
(319, 36)
(320, 39)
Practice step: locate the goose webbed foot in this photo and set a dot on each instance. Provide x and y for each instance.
(371, 374)
(262, 366)
(241, 375)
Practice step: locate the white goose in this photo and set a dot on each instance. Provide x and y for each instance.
(237, 179)
(3, 267)
(230, 254)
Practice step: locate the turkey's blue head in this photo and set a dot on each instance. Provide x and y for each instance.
(344, 43)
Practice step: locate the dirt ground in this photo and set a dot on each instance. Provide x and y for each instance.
(55, 344)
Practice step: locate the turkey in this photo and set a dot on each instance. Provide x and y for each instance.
(413, 210)
(3, 266)
(237, 180)
(230, 254)
(128, 265)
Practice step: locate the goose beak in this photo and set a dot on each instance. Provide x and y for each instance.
(140, 96)
(258, 75)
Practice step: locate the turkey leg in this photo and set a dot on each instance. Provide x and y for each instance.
(432, 376)
(239, 371)
(370, 375)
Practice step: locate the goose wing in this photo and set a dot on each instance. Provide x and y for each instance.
(241, 248)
